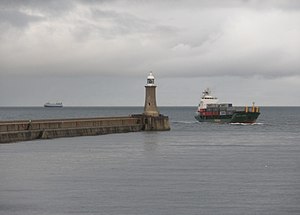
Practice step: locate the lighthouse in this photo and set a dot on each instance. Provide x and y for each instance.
(150, 108)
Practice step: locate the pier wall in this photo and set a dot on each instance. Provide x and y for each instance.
(14, 131)
(154, 123)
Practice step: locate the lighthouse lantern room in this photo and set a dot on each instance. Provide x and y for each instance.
(150, 79)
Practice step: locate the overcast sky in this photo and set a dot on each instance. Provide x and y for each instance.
(99, 52)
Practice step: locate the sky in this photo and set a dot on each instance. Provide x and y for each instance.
(99, 52)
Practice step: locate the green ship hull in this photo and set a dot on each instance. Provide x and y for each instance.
(236, 117)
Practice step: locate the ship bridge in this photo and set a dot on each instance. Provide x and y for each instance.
(206, 99)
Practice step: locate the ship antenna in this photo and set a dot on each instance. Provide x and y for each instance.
(206, 92)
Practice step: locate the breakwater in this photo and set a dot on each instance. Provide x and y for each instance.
(24, 130)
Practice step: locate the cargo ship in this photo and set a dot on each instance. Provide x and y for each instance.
(57, 104)
(210, 110)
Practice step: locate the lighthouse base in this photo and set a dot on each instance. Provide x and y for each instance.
(154, 123)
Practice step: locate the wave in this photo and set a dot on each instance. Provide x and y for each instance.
(239, 123)
(197, 123)
(185, 122)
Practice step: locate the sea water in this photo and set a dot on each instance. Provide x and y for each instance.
(196, 168)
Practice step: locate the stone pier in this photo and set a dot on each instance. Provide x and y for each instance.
(24, 130)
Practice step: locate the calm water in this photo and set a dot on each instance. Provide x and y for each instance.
(196, 168)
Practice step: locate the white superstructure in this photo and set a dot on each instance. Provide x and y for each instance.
(207, 99)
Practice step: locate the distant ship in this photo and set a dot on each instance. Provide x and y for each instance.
(57, 104)
(209, 110)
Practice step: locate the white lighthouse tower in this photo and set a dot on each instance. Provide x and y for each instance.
(150, 108)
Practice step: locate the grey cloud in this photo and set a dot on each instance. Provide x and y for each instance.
(49, 7)
(117, 40)
(257, 4)
(65, 4)
(121, 23)
(204, 4)
(19, 13)
(109, 24)
(17, 18)
(129, 23)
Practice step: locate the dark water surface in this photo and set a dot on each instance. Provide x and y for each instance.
(196, 168)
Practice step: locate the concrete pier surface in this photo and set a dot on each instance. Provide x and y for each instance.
(24, 130)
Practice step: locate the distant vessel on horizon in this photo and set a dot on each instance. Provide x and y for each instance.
(56, 104)
(209, 110)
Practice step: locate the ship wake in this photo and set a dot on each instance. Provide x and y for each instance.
(185, 122)
(240, 123)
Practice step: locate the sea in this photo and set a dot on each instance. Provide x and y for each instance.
(195, 168)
